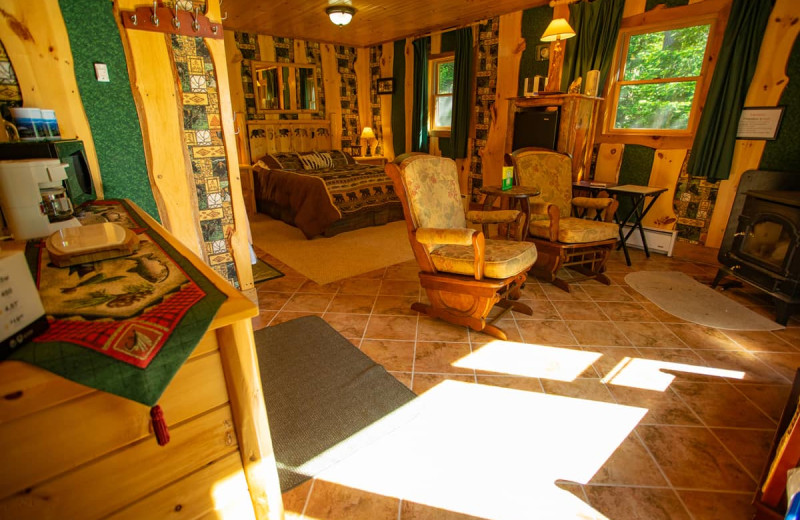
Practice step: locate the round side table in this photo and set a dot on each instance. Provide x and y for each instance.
(519, 198)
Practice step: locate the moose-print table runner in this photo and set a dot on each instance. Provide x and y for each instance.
(123, 325)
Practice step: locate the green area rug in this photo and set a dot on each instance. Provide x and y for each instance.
(262, 272)
(325, 398)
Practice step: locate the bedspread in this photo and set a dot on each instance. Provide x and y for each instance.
(314, 199)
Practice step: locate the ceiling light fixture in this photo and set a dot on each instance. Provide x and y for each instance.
(340, 14)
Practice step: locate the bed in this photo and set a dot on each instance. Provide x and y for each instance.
(324, 192)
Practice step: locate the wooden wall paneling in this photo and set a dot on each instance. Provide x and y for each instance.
(100, 423)
(190, 496)
(664, 174)
(363, 81)
(510, 47)
(266, 47)
(234, 59)
(409, 91)
(331, 79)
(387, 64)
(239, 240)
(765, 90)
(633, 7)
(30, 389)
(36, 41)
(609, 160)
(160, 115)
(299, 51)
(193, 445)
(239, 361)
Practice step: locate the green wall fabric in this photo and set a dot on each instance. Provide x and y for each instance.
(399, 98)
(109, 107)
(637, 162)
(783, 154)
(534, 22)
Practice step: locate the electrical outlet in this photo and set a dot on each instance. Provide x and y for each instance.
(101, 72)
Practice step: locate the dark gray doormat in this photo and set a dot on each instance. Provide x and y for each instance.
(325, 398)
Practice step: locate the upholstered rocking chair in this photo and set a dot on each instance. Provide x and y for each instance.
(563, 240)
(464, 275)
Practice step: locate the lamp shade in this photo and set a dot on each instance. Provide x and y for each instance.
(340, 14)
(367, 133)
(558, 29)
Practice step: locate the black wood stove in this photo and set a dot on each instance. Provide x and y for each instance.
(762, 241)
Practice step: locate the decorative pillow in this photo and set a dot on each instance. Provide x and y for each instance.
(281, 161)
(313, 161)
(326, 159)
(340, 158)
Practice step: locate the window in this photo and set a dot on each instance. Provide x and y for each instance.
(659, 75)
(441, 93)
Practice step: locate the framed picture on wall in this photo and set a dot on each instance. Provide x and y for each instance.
(760, 123)
(543, 52)
(385, 86)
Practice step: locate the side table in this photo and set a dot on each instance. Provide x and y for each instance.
(519, 197)
(377, 160)
(637, 195)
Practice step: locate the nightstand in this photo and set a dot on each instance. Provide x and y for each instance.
(377, 160)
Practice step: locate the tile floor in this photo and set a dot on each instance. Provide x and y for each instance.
(696, 451)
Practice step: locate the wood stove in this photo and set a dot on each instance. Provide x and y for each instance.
(762, 242)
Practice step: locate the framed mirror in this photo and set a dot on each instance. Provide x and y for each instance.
(284, 87)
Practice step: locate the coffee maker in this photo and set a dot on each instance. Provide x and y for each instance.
(34, 199)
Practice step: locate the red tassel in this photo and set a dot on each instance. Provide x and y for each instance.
(159, 425)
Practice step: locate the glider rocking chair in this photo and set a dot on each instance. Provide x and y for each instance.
(561, 239)
(463, 274)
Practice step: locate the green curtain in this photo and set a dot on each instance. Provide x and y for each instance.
(596, 26)
(462, 90)
(399, 98)
(712, 150)
(419, 123)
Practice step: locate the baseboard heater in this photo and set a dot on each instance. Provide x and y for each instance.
(658, 240)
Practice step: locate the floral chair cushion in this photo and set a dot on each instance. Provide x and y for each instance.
(575, 230)
(503, 258)
(551, 172)
(433, 193)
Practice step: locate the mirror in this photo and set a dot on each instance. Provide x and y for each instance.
(284, 87)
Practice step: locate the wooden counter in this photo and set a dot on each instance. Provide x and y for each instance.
(72, 452)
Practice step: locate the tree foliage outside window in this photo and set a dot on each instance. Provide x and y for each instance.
(442, 93)
(657, 85)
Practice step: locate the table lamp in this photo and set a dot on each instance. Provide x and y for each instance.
(559, 29)
(368, 135)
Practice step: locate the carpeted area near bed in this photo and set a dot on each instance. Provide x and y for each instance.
(328, 259)
(324, 397)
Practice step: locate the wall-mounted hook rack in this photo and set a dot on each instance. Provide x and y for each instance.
(185, 23)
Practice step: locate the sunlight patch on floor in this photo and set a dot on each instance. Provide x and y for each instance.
(529, 360)
(648, 374)
(491, 452)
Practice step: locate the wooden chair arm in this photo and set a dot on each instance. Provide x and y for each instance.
(555, 216)
(446, 236)
(493, 217)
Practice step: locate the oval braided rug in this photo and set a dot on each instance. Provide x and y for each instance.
(684, 297)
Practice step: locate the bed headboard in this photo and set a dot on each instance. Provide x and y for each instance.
(288, 136)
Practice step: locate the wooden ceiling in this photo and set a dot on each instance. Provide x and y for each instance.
(375, 21)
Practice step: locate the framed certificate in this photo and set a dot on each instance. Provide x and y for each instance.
(760, 123)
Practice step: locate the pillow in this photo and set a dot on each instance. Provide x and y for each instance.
(315, 161)
(340, 159)
(281, 161)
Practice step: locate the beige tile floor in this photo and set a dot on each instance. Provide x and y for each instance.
(696, 450)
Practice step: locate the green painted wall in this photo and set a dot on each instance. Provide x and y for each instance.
(534, 22)
(783, 154)
(110, 108)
